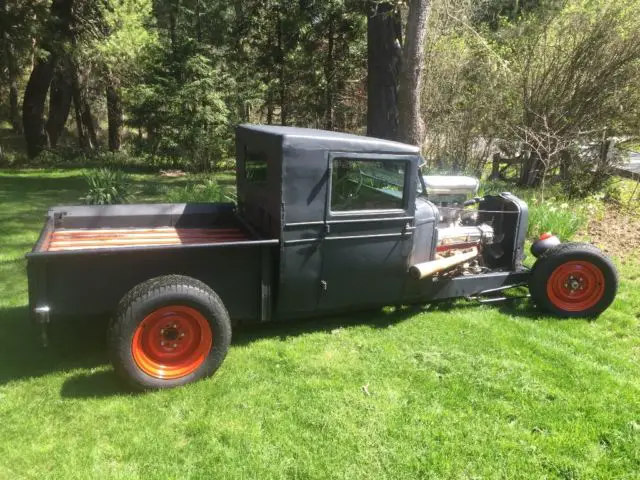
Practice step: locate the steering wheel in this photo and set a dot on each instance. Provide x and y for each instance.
(344, 192)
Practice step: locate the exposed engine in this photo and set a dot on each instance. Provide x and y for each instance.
(459, 229)
(450, 194)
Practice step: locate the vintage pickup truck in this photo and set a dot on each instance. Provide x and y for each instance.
(324, 222)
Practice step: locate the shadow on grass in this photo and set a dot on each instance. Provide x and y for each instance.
(102, 384)
(79, 344)
(74, 344)
(377, 318)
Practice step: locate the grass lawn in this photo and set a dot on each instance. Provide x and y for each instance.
(455, 391)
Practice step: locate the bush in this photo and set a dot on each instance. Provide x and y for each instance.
(13, 159)
(206, 192)
(107, 187)
(563, 219)
(553, 212)
(48, 158)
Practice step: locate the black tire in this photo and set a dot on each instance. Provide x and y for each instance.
(545, 275)
(173, 291)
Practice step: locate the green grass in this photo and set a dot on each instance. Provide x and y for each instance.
(455, 391)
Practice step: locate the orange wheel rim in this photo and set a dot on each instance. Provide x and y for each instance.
(576, 286)
(172, 342)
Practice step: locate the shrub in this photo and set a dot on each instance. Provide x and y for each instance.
(107, 187)
(564, 219)
(48, 158)
(207, 191)
(13, 159)
(553, 212)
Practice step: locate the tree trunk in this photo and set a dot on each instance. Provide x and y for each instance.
(282, 80)
(565, 162)
(60, 97)
(340, 118)
(114, 114)
(89, 121)
(532, 171)
(270, 106)
(605, 146)
(495, 167)
(384, 54)
(35, 93)
(83, 138)
(12, 71)
(329, 74)
(240, 33)
(410, 125)
(174, 11)
(14, 109)
(197, 14)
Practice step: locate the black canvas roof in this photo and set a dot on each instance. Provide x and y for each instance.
(313, 138)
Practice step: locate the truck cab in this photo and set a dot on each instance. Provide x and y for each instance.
(344, 209)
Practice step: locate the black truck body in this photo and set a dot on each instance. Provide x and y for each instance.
(293, 255)
(324, 222)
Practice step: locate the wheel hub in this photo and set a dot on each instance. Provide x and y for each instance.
(171, 333)
(576, 286)
(172, 342)
(574, 283)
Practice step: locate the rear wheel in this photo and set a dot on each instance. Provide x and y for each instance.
(574, 280)
(167, 332)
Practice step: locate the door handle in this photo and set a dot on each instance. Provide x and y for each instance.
(408, 228)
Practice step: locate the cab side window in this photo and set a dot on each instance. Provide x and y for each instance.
(358, 184)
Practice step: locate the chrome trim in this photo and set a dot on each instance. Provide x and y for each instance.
(377, 235)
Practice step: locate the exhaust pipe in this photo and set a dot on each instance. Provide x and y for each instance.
(426, 269)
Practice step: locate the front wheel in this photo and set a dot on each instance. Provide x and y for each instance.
(573, 280)
(168, 331)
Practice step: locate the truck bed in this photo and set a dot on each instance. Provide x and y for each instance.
(104, 238)
(88, 257)
(86, 228)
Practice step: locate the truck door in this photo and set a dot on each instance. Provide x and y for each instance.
(369, 224)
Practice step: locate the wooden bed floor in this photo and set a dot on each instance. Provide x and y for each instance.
(90, 239)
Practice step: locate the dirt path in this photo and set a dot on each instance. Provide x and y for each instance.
(618, 234)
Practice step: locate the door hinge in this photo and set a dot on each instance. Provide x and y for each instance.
(57, 219)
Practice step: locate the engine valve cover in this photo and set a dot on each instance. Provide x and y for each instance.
(464, 237)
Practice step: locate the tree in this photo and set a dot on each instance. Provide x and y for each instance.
(57, 32)
(11, 63)
(115, 115)
(411, 125)
(384, 53)
(20, 23)
(114, 47)
(574, 73)
(60, 98)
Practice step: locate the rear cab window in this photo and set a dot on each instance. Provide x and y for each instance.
(255, 167)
